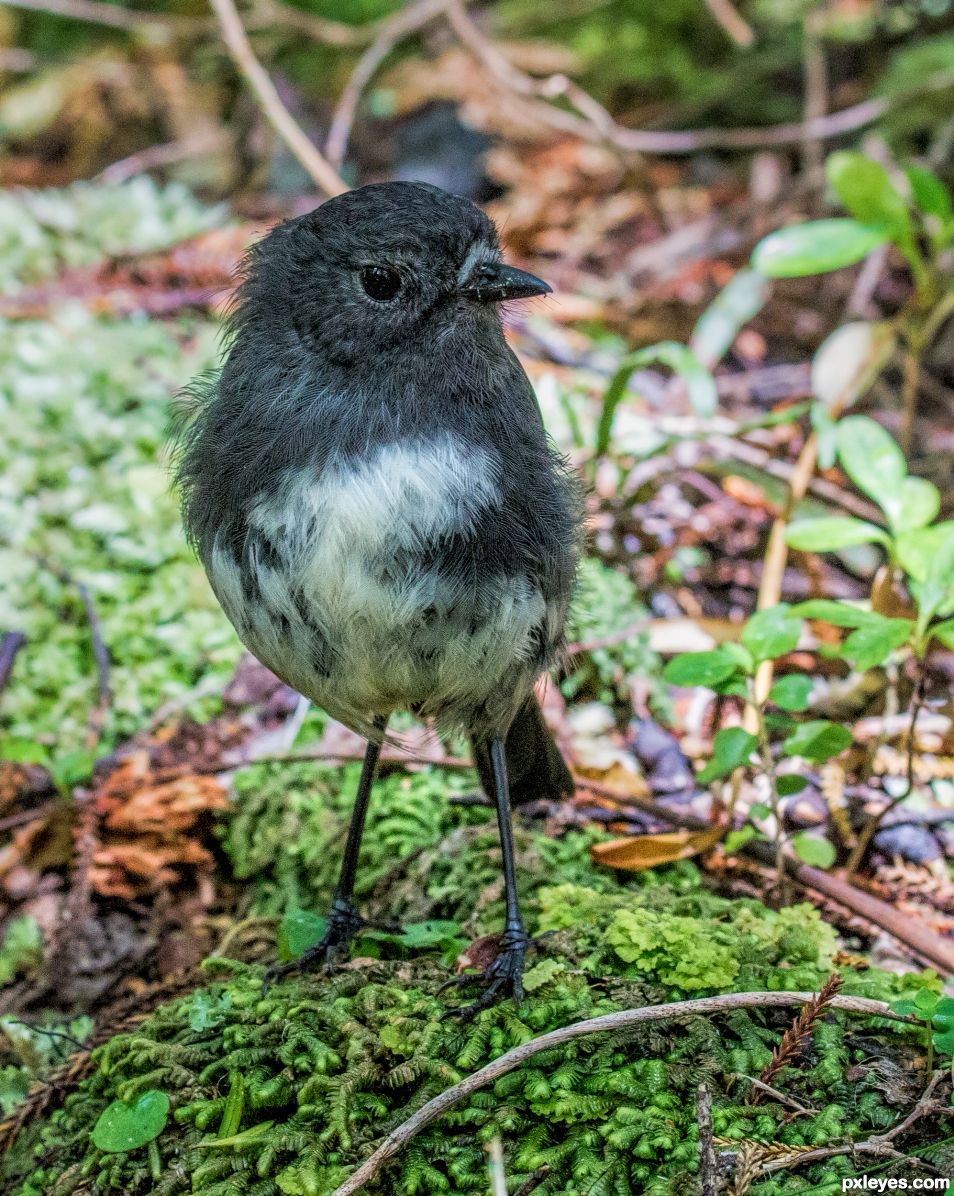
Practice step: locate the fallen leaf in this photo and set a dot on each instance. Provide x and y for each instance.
(638, 852)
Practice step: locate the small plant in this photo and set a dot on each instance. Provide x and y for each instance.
(731, 670)
(937, 1013)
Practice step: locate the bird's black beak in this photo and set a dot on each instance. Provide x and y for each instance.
(494, 282)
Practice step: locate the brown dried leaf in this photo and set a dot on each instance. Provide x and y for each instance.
(635, 853)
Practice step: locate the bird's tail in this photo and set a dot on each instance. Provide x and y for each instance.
(535, 767)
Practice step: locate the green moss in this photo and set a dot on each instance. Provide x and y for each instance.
(285, 1093)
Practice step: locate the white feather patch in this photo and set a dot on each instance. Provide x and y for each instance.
(400, 638)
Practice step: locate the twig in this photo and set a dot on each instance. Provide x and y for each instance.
(816, 94)
(611, 1022)
(797, 1037)
(870, 829)
(783, 1098)
(708, 1163)
(95, 12)
(592, 122)
(392, 30)
(156, 156)
(610, 640)
(322, 173)
(534, 1181)
(10, 645)
(734, 25)
(879, 1144)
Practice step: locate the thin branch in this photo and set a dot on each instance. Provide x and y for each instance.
(156, 156)
(592, 122)
(94, 12)
(322, 173)
(611, 1022)
(731, 23)
(708, 1163)
(879, 1144)
(392, 30)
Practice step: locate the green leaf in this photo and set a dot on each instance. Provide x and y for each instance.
(929, 193)
(839, 614)
(866, 191)
(123, 1127)
(790, 784)
(433, 933)
(927, 550)
(914, 504)
(944, 1042)
(944, 633)
(791, 692)
(871, 645)
(700, 668)
(830, 533)
(760, 810)
(743, 297)
(870, 456)
(813, 850)
(735, 840)
(731, 749)
(904, 1007)
(771, 633)
(815, 248)
(926, 1001)
(298, 931)
(817, 740)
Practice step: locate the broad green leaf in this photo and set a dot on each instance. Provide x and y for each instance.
(433, 933)
(944, 1042)
(926, 1001)
(760, 810)
(790, 784)
(736, 840)
(298, 931)
(944, 633)
(817, 740)
(813, 850)
(772, 632)
(929, 193)
(743, 297)
(731, 749)
(700, 668)
(914, 504)
(848, 361)
(123, 1127)
(871, 645)
(839, 614)
(867, 192)
(925, 549)
(815, 248)
(791, 692)
(870, 457)
(831, 533)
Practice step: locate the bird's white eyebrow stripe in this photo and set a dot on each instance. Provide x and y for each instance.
(480, 250)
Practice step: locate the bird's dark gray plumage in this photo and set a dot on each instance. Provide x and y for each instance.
(370, 488)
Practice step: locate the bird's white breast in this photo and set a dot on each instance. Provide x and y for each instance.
(404, 635)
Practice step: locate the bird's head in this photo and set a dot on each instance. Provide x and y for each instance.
(391, 266)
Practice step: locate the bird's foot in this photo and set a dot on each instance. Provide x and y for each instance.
(344, 922)
(502, 978)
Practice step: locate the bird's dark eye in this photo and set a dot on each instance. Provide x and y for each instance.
(380, 282)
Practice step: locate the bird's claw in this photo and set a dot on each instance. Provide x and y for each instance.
(344, 922)
(501, 979)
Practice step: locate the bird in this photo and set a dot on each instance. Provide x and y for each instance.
(369, 485)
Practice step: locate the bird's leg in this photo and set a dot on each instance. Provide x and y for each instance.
(344, 921)
(504, 977)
